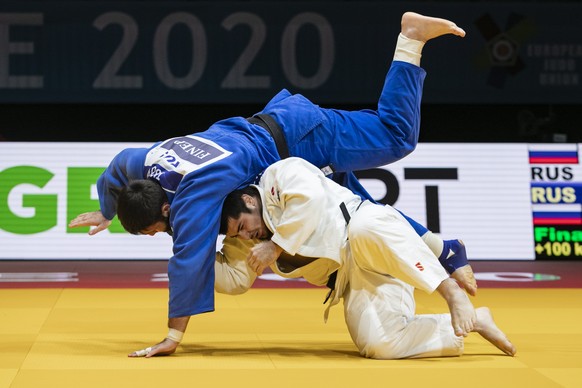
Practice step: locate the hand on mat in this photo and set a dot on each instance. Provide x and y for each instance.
(263, 255)
(164, 348)
(91, 219)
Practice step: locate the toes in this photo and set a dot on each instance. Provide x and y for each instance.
(472, 291)
(466, 279)
(458, 31)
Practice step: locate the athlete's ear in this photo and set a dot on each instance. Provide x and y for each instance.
(166, 209)
(249, 200)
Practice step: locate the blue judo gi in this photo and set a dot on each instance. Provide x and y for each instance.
(198, 171)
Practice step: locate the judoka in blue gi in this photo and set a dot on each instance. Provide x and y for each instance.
(198, 171)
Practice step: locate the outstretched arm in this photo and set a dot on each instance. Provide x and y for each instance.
(126, 165)
(233, 276)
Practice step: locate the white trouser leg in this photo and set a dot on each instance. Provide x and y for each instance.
(379, 313)
(382, 241)
(387, 261)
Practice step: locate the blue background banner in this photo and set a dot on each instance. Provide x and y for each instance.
(244, 52)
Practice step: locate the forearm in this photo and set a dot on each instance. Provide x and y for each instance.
(177, 327)
(179, 323)
(278, 250)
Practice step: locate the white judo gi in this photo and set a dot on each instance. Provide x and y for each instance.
(378, 257)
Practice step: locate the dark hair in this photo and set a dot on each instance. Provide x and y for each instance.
(234, 205)
(139, 205)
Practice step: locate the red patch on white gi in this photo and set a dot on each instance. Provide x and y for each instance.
(419, 266)
(272, 190)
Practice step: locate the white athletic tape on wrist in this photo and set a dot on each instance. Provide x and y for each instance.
(175, 335)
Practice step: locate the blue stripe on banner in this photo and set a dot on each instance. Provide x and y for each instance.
(575, 185)
(553, 154)
(564, 215)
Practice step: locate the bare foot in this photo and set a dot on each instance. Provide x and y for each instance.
(462, 312)
(487, 328)
(466, 278)
(424, 28)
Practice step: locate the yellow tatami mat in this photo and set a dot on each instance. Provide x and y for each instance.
(269, 338)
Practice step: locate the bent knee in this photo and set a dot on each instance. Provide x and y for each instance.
(383, 350)
(405, 148)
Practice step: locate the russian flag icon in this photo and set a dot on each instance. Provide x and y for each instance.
(553, 154)
(557, 214)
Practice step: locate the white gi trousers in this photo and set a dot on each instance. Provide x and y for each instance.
(385, 260)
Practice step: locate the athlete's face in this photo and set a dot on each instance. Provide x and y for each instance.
(162, 225)
(249, 226)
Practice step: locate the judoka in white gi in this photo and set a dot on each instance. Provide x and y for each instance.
(313, 228)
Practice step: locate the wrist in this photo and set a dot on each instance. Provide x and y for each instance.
(278, 249)
(175, 335)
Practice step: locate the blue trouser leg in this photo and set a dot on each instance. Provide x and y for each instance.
(367, 138)
(350, 181)
(420, 230)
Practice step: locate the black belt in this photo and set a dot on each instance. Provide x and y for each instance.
(332, 278)
(268, 123)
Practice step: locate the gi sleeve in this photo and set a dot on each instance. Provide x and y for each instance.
(296, 190)
(126, 166)
(195, 220)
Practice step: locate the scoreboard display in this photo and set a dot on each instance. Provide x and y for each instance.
(556, 196)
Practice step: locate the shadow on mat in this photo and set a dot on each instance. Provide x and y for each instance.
(323, 350)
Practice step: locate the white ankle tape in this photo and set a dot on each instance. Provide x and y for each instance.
(408, 50)
(175, 335)
(435, 243)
